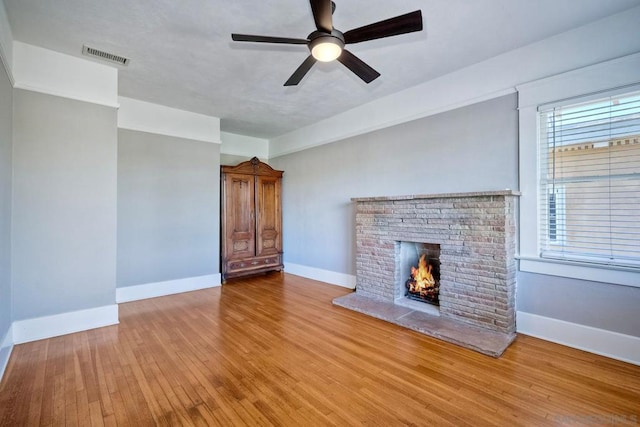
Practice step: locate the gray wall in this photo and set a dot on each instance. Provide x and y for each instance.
(6, 119)
(600, 305)
(168, 208)
(64, 205)
(469, 149)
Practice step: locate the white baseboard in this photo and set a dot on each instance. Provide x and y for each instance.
(6, 346)
(599, 341)
(64, 323)
(159, 289)
(327, 276)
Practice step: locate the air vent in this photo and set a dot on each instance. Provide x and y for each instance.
(106, 56)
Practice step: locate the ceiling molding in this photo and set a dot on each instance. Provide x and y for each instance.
(42, 70)
(153, 118)
(317, 134)
(241, 145)
(48, 91)
(599, 77)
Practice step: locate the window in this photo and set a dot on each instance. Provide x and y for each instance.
(538, 103)
(590, 180)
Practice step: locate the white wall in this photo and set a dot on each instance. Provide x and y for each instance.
(237, 148)
(45, 71)
(134, 114)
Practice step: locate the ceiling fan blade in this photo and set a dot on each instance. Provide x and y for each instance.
(302, 70)
(358, 66)
(266, 39)
(402, 24)
(322, 11)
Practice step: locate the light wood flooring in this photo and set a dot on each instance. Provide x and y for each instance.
(273, 350)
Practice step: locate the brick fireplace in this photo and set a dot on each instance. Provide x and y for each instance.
(475, 237)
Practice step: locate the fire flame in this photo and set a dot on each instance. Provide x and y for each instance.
(422, 277)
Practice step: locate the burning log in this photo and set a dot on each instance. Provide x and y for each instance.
(422, 284)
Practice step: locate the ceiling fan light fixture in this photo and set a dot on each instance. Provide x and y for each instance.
(326, 49)
(327, 43)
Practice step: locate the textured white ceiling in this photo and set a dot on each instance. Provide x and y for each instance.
(182, 55)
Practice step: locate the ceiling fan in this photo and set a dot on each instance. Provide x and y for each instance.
(327, 44)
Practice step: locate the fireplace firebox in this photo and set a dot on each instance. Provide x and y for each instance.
(419, 264)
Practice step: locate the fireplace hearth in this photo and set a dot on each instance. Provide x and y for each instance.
(460, 246)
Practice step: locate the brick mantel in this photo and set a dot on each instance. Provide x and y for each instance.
(437, 196)
(477, 237)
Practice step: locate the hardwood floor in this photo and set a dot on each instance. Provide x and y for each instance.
(273, 350)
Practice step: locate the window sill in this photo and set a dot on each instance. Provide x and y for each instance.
(626, 276)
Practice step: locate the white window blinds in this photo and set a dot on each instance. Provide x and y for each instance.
(590, 180)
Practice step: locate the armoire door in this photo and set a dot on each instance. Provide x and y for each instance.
(269, 221)
(239, 215)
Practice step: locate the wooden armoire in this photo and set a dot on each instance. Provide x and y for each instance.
(251, 219)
